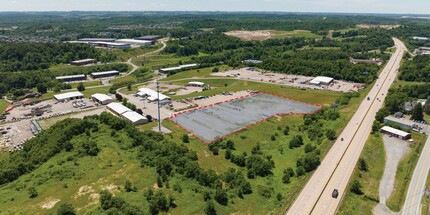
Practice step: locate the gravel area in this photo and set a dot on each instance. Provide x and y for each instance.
(217, 121)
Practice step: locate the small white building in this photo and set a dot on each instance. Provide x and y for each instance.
(321, 80)
(69, 96)
(135, 118)
(196, 84)
(135, 42)
(102, 99)
(152, 95)
(118, 108)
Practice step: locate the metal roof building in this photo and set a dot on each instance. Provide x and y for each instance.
(152, 94)
(196, 84)
(396, 133)
(150, 37)
(135, 118)
(69, 96)
(83, 62)
(102, 99)
(186, 66)
(104, 74)
(407, 124)
(321, 80)
(135, 42)
(68, 78)
(97, 40)
(118, 108)
(111, 45)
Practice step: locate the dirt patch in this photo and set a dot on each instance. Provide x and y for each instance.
(84, 190)
(206, 154)
(250, 35)
(49, 203)
(388, 27)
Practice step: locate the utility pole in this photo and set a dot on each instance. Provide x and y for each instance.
(158, 105)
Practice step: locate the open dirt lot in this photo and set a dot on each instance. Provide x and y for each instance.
(288, 80)
(236, 114)
(250, 35)
(179, 90)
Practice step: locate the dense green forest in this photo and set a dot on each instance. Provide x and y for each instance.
(37, 56)
(417, 69)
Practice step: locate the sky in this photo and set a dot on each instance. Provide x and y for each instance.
(345, 6)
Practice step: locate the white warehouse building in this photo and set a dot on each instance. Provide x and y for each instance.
(135, 42)
(102, 99)
(135, 118)
(118, 108)
(321, 80)
(152, 95)
(69, 96)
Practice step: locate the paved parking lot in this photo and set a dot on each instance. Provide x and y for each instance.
(217, 121)
(289, 80)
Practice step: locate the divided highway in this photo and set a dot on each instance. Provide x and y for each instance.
(418, 182)
(338, 165)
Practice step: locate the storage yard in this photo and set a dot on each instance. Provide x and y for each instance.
(236, 114)
(289, 80)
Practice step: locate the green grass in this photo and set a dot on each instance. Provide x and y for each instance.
(374, 155)
(196, 73)
(158, 61)
(220, 85)
(3, 105)
(87, 84)
(278, 149)
(404, 173)
(125, 54)
(292, 34)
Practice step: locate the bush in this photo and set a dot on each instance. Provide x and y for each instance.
(66, 209)
(210, 208)
(273, 138)
(32, 193)
(296, 142)
(330, 134)
(185, 138)
(221, 197)
(129, 187)
(286, 178)
(81, 87)
(286, 130)
(356, 187)
(362, 164)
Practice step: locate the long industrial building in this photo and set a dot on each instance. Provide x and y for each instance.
(69, 96)
(118, 108)
(83, 62)
(395, 133)
(135, 42)
(96, 75)
(186, 66)
(111, 45)
(96, 40)
(70, 78)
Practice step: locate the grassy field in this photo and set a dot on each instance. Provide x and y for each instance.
(404, 173)
(125, 54)
(3, 105)
(374, 155)
(225, 85)
(158, 61)
(196, 73)
(295, 33)
(87, 84)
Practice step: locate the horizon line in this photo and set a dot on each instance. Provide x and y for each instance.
(210, 11)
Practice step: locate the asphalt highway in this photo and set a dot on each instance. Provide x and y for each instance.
(416, 188)
(338, 165)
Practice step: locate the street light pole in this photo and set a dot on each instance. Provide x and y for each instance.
(158, 105)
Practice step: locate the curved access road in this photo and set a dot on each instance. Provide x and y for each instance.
(338, 165)
(417, 185)
(135, 67)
